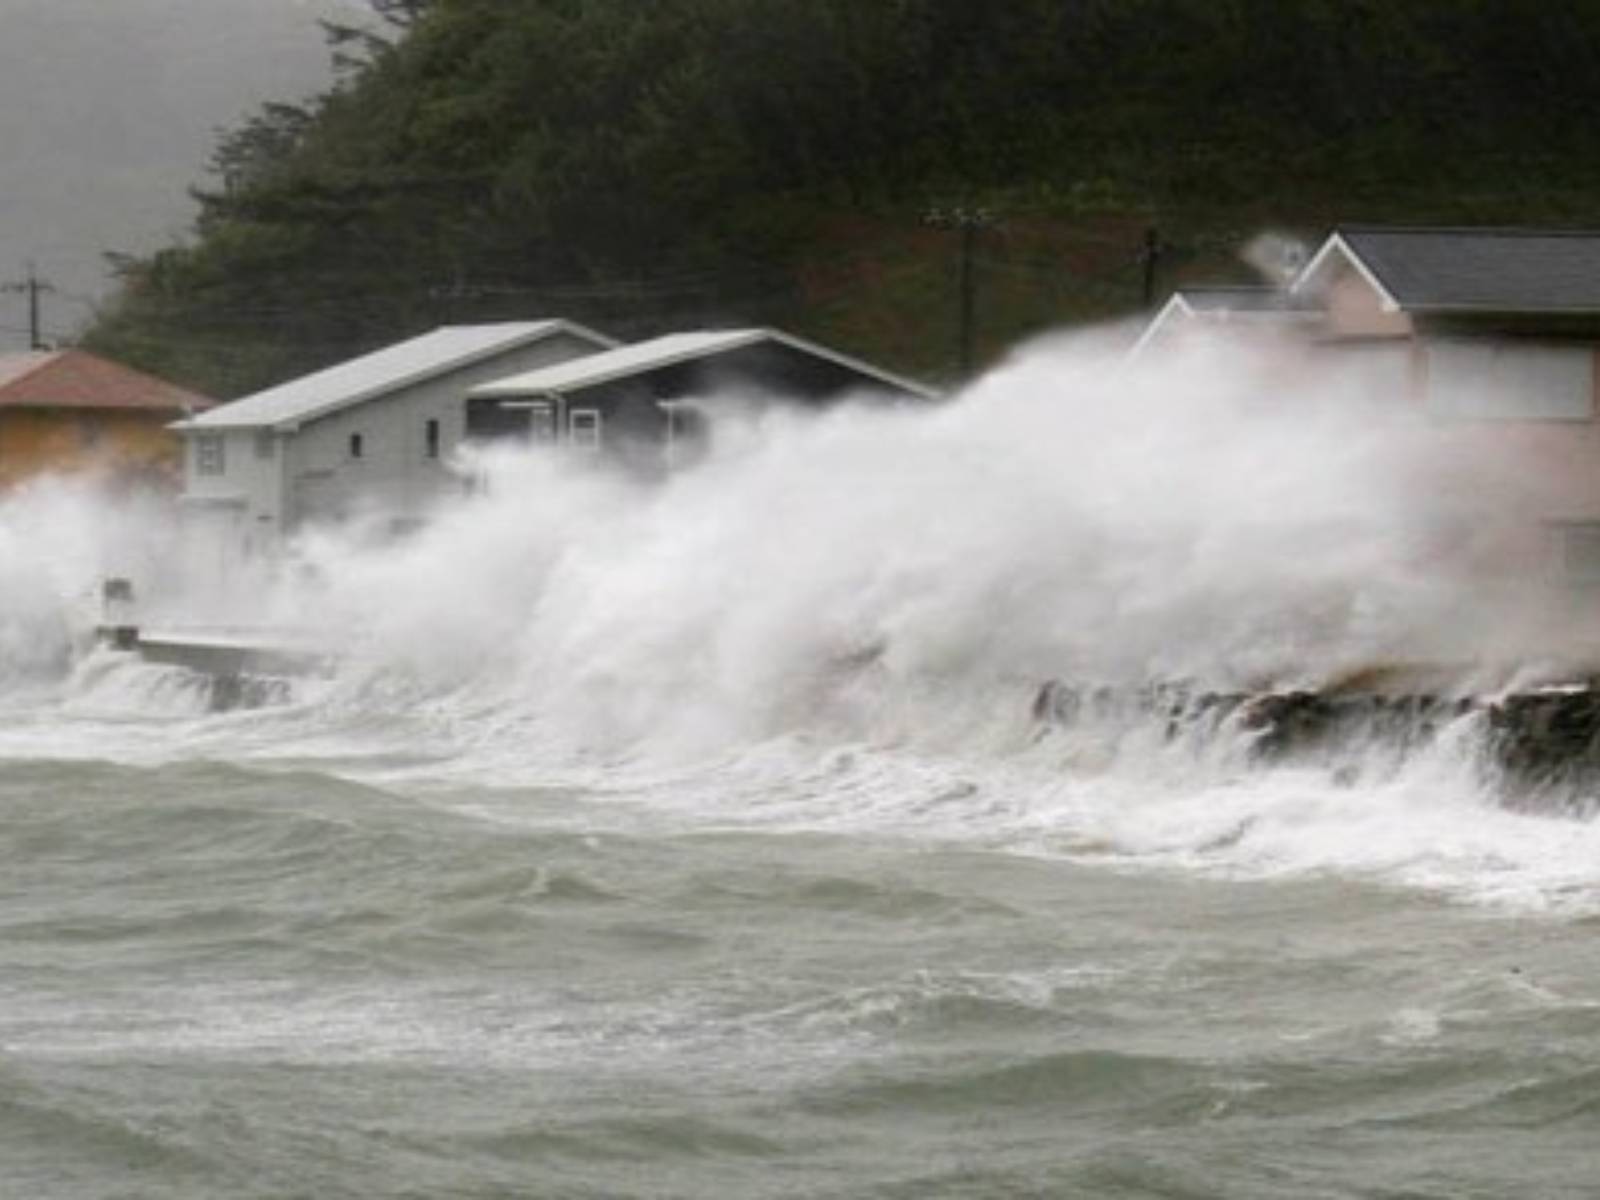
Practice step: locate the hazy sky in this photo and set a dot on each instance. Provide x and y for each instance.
(108, 110)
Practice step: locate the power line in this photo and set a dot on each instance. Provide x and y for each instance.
(32, 286)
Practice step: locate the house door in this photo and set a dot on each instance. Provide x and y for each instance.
(543, 425)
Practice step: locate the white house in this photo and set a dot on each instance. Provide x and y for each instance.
(370, 435)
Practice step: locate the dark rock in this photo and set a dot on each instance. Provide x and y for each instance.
(1544, 743)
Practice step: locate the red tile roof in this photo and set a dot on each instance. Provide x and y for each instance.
(78, 379)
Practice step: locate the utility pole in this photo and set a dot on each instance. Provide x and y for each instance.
(1150, 257)
(32, 286)
(969, 222)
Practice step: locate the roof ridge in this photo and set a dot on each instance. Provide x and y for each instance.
(1529, 231)
(45, 358)
(72, 377)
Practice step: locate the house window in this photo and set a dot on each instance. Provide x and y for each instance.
(356, 445)
(583, 428)
(210, 455)
(266, 445)
(1580, 551)
(430, 440)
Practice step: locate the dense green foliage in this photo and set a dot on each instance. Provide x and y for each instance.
(648, 165)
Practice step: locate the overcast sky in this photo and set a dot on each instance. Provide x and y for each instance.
(108, 111)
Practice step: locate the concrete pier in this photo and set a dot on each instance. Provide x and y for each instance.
(232, 651)
(242, 666)
(239, 669)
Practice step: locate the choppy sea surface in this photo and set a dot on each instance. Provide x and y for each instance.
(311, 952)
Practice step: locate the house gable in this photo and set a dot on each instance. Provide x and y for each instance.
(1354, 299)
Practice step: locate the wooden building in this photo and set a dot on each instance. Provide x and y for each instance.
(69, 411)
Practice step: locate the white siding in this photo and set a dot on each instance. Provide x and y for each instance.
(1480, 379)
(246, 478)
(394, 476)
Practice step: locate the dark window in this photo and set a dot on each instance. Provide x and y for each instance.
(355, 445)
(583, 428)
(431, 431)
(210, 456)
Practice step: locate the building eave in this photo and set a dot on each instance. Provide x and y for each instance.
(592, 375)
(1494, 310)
(854, 364)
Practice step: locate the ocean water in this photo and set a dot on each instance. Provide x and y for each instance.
(253, 956)
(697, 840)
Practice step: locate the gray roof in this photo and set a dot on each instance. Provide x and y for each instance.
(1503, 271)
(644, 357)
(403, 364)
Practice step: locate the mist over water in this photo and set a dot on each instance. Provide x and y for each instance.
(696, 836)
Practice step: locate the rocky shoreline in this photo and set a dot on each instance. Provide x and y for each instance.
(1544, 741)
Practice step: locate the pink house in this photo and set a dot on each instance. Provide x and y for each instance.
(1489, 337)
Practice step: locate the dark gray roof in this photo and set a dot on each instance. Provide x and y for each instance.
(1482, 270)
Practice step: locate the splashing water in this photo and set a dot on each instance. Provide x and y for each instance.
(837, 619)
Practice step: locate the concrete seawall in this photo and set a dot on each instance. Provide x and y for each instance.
(1541, 742)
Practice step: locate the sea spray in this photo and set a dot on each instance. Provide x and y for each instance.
(1212, 519)
(59, 538)
(1212, 516)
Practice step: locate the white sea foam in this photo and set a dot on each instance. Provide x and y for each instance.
(837, 620)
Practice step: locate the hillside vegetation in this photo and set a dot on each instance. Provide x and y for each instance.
(644, 166)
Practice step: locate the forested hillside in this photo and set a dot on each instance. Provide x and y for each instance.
(649, 165)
